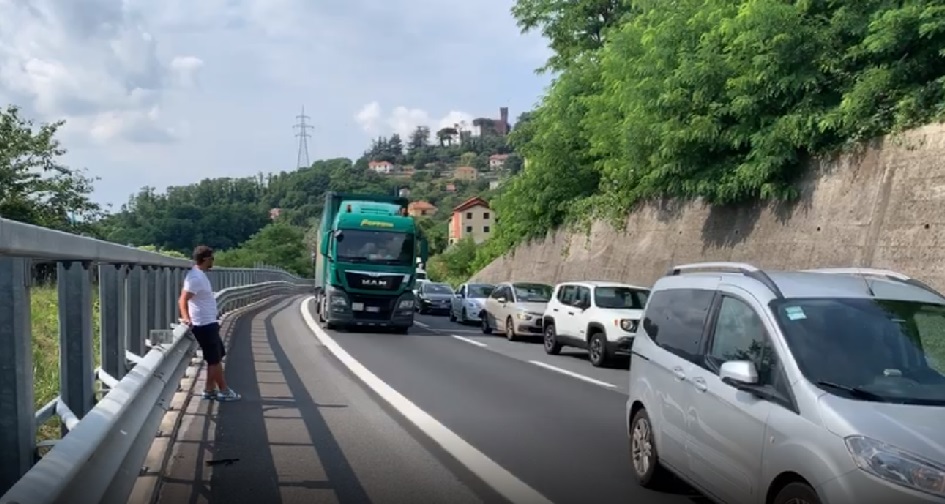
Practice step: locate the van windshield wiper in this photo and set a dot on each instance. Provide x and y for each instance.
(856, 392)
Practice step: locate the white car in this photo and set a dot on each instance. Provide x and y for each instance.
(516, 307)
(601, 317)
(469, 300)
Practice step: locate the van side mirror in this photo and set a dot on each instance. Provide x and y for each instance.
(738, 373)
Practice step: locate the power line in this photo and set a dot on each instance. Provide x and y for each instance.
(303, 127)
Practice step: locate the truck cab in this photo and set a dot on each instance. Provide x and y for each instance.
(369, 251)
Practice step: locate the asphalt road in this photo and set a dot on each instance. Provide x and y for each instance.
(306, 431)
(555, 422)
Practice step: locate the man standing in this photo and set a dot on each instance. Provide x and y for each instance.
(198, 309)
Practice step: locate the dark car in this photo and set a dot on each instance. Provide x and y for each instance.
(434, 298)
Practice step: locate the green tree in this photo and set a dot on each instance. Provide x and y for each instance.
(35, 187)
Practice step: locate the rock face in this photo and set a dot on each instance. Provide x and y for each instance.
(880, 207)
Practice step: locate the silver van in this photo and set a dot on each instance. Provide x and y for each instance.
(800, 387)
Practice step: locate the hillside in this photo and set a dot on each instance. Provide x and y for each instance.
(691, 119)
(442, 169)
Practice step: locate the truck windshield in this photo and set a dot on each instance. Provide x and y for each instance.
(381, 247)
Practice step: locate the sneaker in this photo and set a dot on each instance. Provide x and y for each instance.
(229, 395)
(210, 394)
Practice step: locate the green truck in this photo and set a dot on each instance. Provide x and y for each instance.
(366, 263)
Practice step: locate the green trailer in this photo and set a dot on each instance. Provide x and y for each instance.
(366, 262)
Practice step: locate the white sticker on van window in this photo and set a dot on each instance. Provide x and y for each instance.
(795, 313)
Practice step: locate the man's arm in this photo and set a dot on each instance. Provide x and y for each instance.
(186, 293)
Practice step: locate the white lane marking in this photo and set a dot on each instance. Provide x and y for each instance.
(421, 324)
(572, 374)
(470, 341)
(494, 475)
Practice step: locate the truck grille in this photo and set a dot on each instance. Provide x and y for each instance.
(381, 282)
(375, 308)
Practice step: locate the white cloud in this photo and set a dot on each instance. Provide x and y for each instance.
(169, 92)
(91, 62)
(403, 120)
(369, 116)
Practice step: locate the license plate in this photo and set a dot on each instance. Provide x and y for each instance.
(357, 306)
(373, 309)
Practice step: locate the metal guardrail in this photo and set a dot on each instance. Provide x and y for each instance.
(102, 456)
(137, 295)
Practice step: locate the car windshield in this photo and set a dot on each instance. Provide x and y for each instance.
(436, 288)
(381, 247)
(532, 292)
(479, 290)
(882, 350)
(620, 298)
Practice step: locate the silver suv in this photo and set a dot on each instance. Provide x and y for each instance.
(818, 386)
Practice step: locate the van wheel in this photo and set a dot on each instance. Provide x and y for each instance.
(797, 493)
(552, 347)
(452, 316)
(643, 457)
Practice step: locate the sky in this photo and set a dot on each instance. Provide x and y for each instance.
(168, 92)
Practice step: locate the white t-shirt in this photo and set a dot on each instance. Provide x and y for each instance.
(202, 306)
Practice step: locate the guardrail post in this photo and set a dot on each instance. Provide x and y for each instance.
(111, 280)
(135, 299)
(17, 426)
(151, 289)
(75, 338)
(160, 293)
(173, 274)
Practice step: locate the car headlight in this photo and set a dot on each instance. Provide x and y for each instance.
(628, 325)
(523, 316)
(897, 466)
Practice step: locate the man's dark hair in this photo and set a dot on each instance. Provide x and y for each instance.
(202, 253)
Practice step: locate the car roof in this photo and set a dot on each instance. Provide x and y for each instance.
(602, 283)
(862, 283)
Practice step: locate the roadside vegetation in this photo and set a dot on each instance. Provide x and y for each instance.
(44, 306)
(723, 100)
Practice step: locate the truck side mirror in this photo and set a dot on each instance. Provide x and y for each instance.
(323, 244)
(424, 250)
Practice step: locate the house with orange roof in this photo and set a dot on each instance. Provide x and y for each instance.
(474, 218)
(421, 209)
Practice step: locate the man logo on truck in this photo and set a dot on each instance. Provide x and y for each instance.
(374, 223)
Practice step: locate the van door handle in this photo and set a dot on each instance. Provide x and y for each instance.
(700, 385)
(554, 309)
(680, 374)
(570, 313)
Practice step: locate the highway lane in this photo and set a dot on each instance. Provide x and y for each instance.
(562, 436)
(306, 431)
(531, 350)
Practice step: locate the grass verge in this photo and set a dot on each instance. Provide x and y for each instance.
(45, 323)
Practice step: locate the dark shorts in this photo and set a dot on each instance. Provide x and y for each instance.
(208, 337)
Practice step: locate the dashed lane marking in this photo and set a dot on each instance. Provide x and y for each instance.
(572, 374)
(470, 341)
